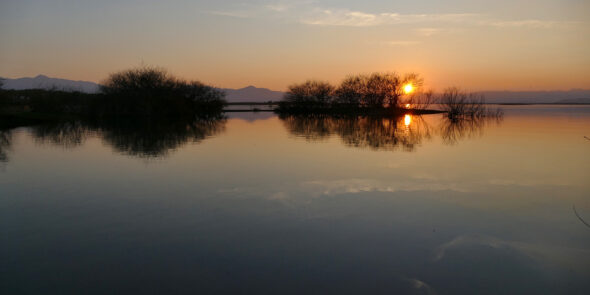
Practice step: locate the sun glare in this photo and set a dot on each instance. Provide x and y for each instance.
(407, 120)
(408, 88)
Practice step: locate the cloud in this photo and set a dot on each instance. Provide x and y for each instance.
(349, 18)
(530, 23)
(427, 32)
(306, 12)
(467, 240)
(327, 17)
(421, 286)
(401, 43)
(278, 7)
(281, 6)
(562, 256)
(236, 14)
(356, 185)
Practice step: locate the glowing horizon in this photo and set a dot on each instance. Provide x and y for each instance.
(505, 45)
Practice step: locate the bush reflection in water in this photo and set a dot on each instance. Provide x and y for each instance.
(385, 133)
(452, 130)
(153, 137)
(5, 141)
(145, 137)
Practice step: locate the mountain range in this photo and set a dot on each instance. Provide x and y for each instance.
(252, 94)
(44, 82)
(569, 96)
(246, 94)
(255, 94)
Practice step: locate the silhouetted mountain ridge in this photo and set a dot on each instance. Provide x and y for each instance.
(44, 82)
(254, 94)
(535, 96)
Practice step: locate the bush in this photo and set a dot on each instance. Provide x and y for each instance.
(45, 101)
(310, 95)
(460, 104)
(140, 81)
(376, 90)
(153, 91)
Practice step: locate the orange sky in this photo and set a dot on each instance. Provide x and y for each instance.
(476, 45)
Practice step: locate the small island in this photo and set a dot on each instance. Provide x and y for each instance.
(145, 93)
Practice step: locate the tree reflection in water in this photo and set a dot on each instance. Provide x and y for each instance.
(155, 138)
(380, 133)
(152, 137)
(145, 137)
(376, 133)
(5, 142)
(68, 134)
(453, 130)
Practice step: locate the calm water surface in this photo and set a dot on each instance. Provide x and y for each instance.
(256, 204)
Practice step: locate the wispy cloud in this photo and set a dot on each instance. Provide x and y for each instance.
(401, 43)
(530, 23)
(326, 17)
(355, 185)
(427, 32)
(546, 252)
(235, 13)
(308, 13)
(280, 7)
(421, 286)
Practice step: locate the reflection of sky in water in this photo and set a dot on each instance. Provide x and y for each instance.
(257, 208)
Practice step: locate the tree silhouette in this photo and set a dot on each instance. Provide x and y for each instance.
(373, 91)
(309, 95)
(153, 91)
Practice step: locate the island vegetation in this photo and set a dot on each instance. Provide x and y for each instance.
(146, 112)
(152, 92)
(377, 93)
(138, 92)
(384, 94)
(143, 112)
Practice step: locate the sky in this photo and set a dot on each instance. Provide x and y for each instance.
(472, 44)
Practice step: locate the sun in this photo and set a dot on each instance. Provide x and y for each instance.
(407, 120)
(408, 88)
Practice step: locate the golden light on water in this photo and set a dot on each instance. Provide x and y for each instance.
(408, 88)
(407, 120)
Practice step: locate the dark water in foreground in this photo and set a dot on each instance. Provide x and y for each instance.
(254, 204)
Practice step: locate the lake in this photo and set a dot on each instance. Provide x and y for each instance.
(256, 204)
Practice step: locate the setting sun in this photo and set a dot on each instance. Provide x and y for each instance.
(408, 88)
(407, 120)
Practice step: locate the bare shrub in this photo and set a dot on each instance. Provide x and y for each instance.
(310, 94)
(459, 104)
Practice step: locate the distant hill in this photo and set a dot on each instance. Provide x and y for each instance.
(246, 94)
(575, 100)
(44, 82)
(534, 96)
(252, 94)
